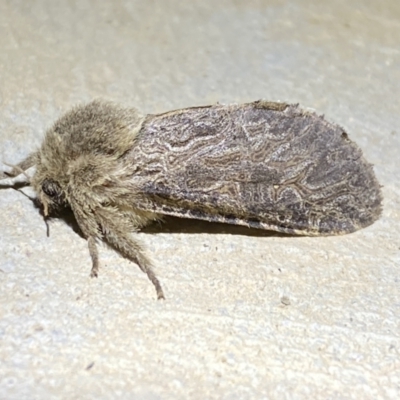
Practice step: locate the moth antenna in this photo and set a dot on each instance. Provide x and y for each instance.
(46, 221)
(45, 214)
(21, 167)
(18, 169)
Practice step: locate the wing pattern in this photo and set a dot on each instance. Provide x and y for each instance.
(264, 165)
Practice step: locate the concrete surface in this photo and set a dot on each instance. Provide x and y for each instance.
(248, 314)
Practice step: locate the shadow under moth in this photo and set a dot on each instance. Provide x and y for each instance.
(263, 165)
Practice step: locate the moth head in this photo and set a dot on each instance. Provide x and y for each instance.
(51, 177)
(47, 183)
(49, 191)
(51, 196)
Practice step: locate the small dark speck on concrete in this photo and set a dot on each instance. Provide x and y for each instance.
(90, 366)
(285, 301)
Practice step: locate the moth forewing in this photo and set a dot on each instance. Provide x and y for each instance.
(263, 164)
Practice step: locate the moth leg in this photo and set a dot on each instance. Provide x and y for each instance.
(94, 254)
(106, 224)
(132, 250)
(90, 231)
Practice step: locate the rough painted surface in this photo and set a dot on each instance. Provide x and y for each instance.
(248, 313)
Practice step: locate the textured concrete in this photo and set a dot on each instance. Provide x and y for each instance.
(248, 314)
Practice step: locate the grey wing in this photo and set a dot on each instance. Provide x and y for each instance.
(264, 165)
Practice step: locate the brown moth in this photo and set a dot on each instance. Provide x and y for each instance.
(263, 165)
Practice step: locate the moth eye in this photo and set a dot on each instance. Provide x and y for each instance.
(51, 188)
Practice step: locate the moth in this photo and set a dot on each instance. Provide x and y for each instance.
(263, 165)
